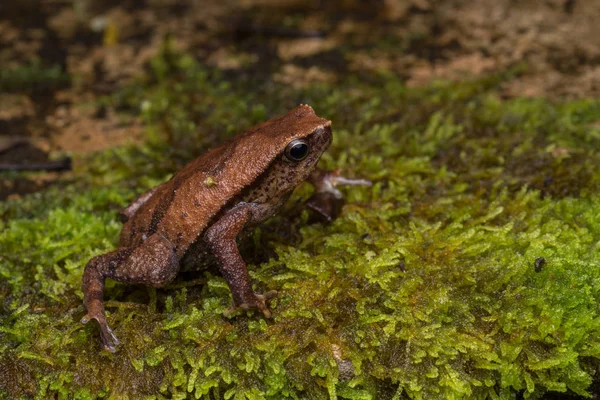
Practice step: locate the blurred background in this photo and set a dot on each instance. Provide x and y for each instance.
(56, 55)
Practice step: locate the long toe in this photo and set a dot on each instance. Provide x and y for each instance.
(109, 340)
(258, 303)
(108, 337)
(261, 302)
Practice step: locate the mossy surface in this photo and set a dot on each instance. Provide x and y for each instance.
(431, 283)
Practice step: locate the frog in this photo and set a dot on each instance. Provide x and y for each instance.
(212, 201)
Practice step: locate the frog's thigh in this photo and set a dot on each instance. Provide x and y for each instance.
(152, 263)
(220, 238)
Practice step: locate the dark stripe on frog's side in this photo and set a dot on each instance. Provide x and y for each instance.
(128, 212)
(163, 206)
(179, 179)
(228, 151)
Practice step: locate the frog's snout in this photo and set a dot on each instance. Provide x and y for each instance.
(323, 136)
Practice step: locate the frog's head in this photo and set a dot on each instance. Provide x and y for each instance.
(310, 140)
(312, 136)
(296, 142)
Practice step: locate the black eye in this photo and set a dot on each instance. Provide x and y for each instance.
(296, 150)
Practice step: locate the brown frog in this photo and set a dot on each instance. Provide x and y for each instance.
(204, 207)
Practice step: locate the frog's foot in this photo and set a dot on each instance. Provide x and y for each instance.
(109, 340)
(327, 200)
(326, 205)
(259, 303)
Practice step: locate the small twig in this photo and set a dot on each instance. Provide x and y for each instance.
(60, 165)
(128, 305)
(8, 143)
(279, 32)
(186, 284)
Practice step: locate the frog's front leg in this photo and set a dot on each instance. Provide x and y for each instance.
(327, 199)
(220, 238)
(153, 263)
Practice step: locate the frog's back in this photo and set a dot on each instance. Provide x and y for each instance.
(182, 208)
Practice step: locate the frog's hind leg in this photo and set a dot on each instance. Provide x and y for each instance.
(153, 263)
(93, 291)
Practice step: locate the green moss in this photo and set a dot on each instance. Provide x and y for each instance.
(425, 287)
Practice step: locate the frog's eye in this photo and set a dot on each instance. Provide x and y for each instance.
(296, 150)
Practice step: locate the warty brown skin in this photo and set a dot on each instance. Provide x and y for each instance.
(206, 205)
